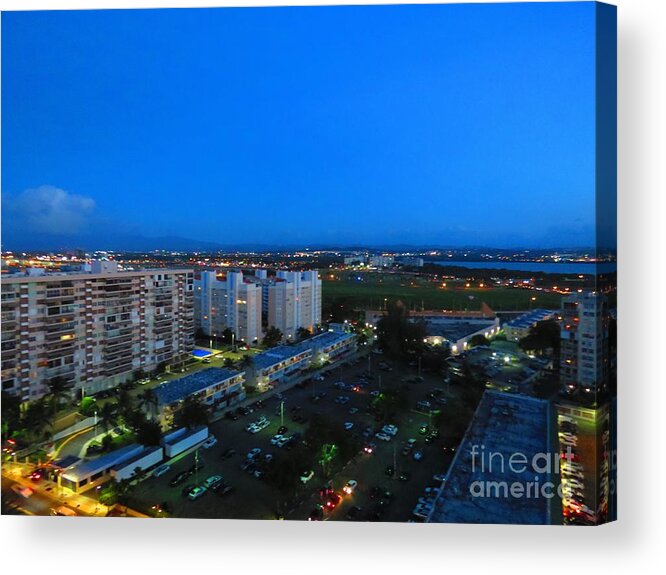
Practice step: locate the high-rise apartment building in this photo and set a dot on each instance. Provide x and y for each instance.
(584, 345)
(230, 301)
(95, 329)
(247, 305)
(293, 301)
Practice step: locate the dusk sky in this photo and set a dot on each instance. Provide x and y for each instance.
(439, 125)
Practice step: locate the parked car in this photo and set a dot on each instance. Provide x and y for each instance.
(212, 481)
(210, 442)
(161, 470)
(179, 478)
(306, 476)
(253, 453)
(227, 453)
(196, 493)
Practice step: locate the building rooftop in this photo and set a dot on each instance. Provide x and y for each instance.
(279, 354)
(284, 352)
(180, 388)
(456, 329)
(136, 457)
(87, 468)
(529, 319)
(180, 434)
(505, 424)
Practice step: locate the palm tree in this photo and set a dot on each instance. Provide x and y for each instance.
(246, 361)
(108, 416)
(125, 404)
(59, 389)
(192, 414)
(37, 419)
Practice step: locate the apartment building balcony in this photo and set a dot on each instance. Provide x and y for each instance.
(61, 371)
(110, 371)
(58, 293)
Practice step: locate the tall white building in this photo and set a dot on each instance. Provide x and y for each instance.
(584, 344)
(230, 301)
(293, 301)
(95, 329)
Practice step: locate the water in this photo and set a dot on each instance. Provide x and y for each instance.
(551, 268)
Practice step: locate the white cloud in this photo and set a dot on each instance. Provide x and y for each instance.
(49, 209)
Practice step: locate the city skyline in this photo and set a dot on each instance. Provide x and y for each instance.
(385, 135)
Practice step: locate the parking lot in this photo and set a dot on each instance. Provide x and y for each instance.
(380, 496)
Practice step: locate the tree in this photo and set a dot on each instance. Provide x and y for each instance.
(303, 333)
(107, 416)
(478, 339)
(11, 414)
(340, 309)
(272, 337)
(88, 406)
(542, 336)
(397, 335)
(228, 336)
(246, 361)
(38, 419)
(59, 390)
(125, 403)
(192, 414)
(326, 457)
(149, 433)
(228, 362)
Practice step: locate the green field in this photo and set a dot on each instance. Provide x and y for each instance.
(374, 290)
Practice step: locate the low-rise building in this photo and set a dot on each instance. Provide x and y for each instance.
(148, 457)
(214, 386)
(520, 327)
(86, 474)
(182, 439)
(281, 363)
(499, 473)
(456, 333)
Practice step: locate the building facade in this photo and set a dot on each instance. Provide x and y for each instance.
(231, 301)
(94, 329)
(215, 387)
(293, 301)
(584, 344)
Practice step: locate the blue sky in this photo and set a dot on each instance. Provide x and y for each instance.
(448, 125)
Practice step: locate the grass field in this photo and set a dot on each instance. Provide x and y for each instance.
(373, 290)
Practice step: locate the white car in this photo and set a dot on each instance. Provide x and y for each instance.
(275, 440)
(390, 429)
(282, 442)
(348, 425)
(306, 476)
(432, 491)
(350, 486)
(439, 477)
(253, 453)
(383, 436)
(212, 440)
(161, 470)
